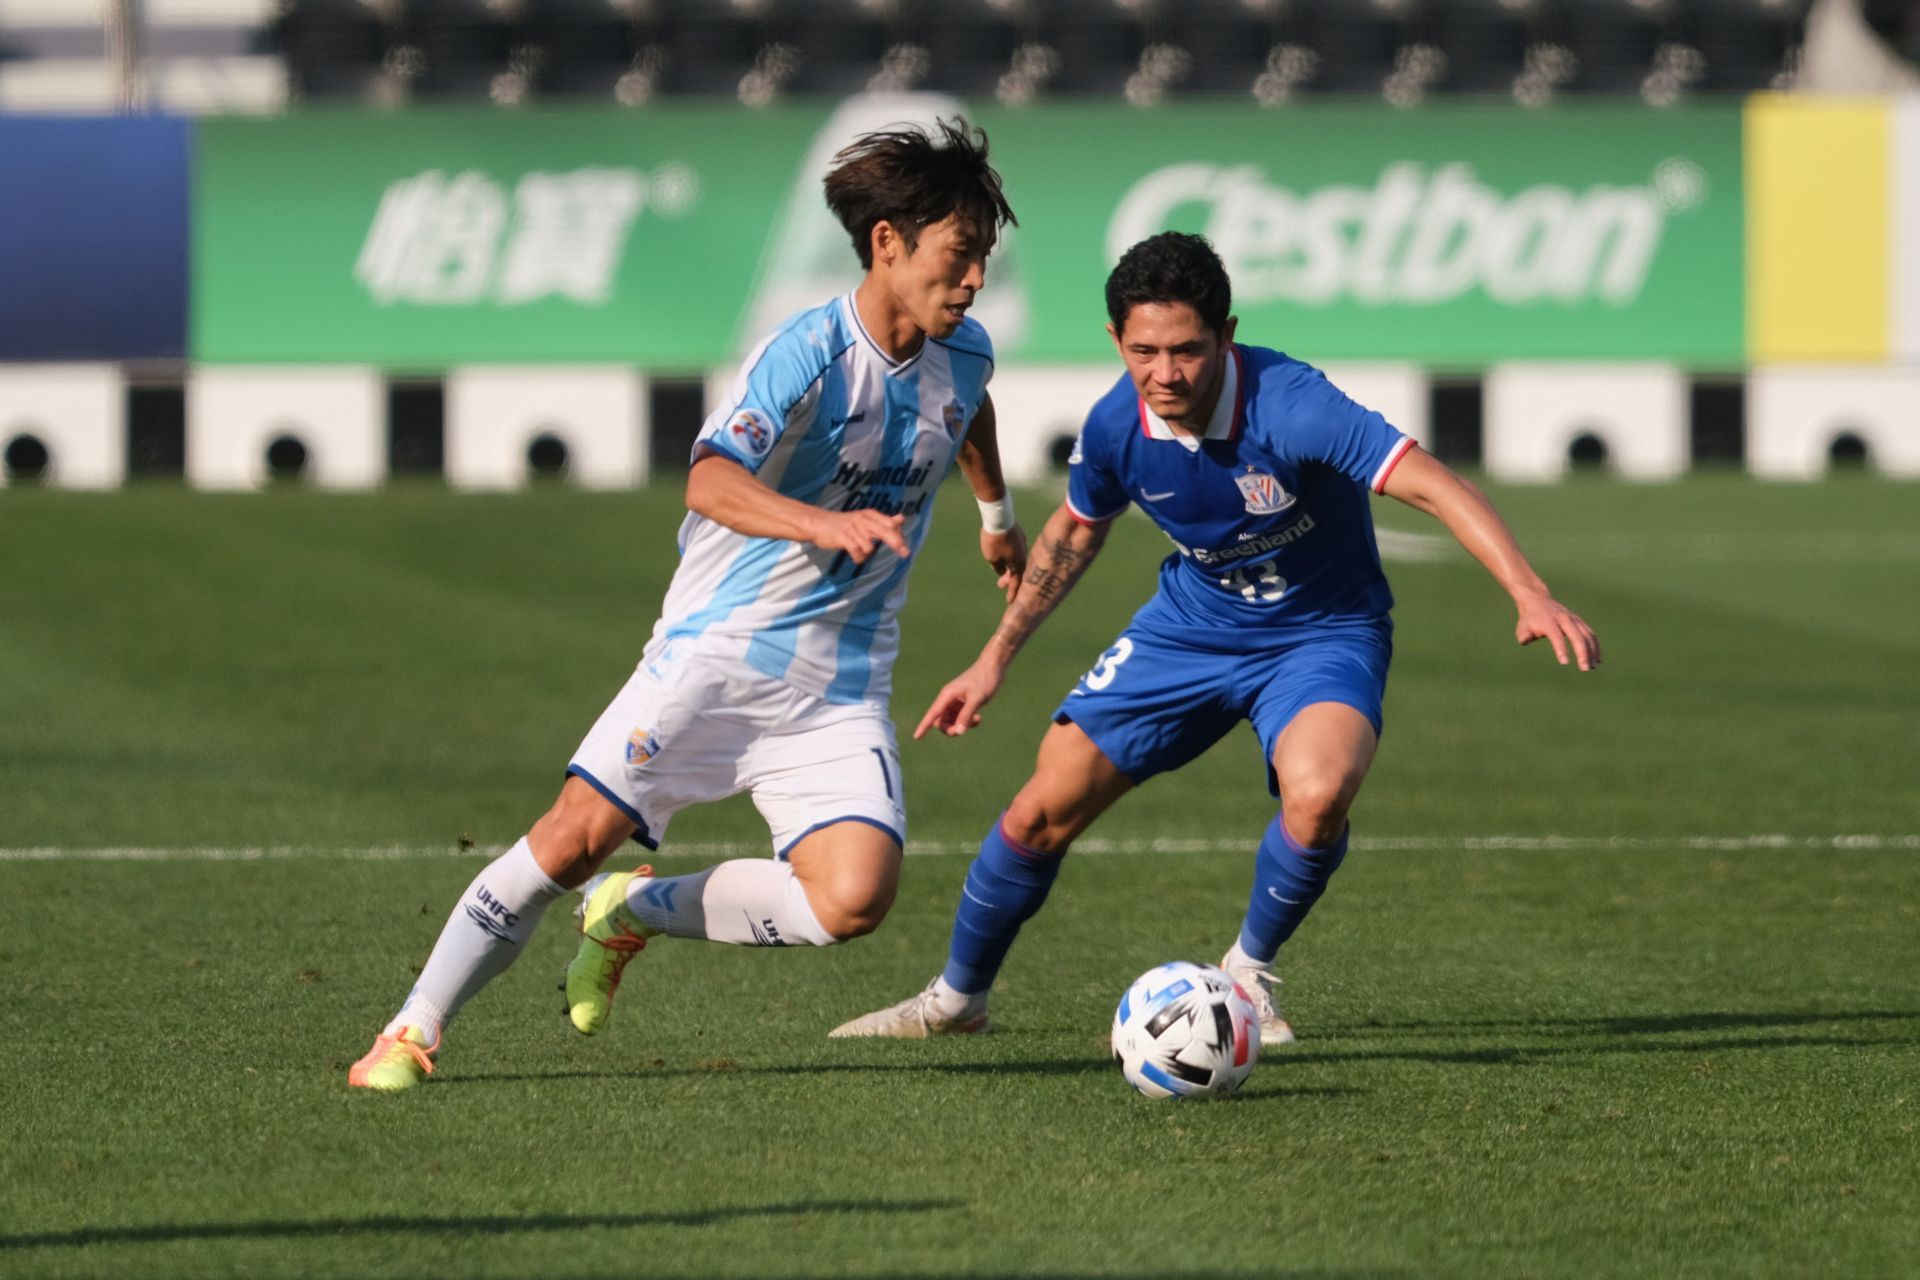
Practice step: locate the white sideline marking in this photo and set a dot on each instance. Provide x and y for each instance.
(1361, 844)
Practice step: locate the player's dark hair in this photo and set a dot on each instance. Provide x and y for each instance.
(1171, 267)
(913, 177)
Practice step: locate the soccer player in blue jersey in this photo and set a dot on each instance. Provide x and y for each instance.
(1271, 609)
(810, 493)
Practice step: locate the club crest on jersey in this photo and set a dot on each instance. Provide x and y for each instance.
(751, 432)
(1263, 493)
(954, 414)
(642, 746)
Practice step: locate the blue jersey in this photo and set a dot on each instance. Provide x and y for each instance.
(1268, 511)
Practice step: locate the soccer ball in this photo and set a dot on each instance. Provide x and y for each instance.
(1186, 1031)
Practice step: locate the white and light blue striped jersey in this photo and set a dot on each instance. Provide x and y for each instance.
(821, 414)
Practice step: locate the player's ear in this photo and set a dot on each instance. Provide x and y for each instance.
(1115, 335)
(883, 243)
(1226, 330)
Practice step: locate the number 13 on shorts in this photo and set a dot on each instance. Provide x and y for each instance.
(1109, 665)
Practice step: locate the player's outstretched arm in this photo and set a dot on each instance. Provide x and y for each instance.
(725, 492)
(1065, 549)
(1002, 542)
(1424, 482)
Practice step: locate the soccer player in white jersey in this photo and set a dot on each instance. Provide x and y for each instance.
(768, 671)
(1271, 611)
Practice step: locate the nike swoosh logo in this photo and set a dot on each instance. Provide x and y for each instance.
(1292, 902)
(1157, 497)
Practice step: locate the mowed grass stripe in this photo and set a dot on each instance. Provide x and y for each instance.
(1093, 845)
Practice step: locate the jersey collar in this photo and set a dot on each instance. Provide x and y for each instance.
(1229, 412)
(893, 366)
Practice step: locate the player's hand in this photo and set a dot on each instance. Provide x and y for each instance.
(1007, 554)
(857, 533)
(956, 708)
(1544, 618)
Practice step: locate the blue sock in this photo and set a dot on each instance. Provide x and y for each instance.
(1005, 885)
(1287, 880)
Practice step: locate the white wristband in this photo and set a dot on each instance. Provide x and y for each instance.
(996, 516)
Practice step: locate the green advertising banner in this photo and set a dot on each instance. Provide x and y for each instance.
(673, 237)
(430, 237)
(1448, 235)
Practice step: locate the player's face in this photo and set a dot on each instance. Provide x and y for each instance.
(1174, 359)
(935, 281)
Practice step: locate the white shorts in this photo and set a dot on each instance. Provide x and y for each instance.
(687, 728)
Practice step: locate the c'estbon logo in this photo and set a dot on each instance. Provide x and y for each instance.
(1419, 235)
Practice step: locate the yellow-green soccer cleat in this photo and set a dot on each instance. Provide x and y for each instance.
(610, 936)
(396, 1062)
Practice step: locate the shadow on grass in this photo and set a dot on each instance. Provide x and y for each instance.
(1080, 1067)
(168, 1232)
(1657, 1033)
(1626, 1024)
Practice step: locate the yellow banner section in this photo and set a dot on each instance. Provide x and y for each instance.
(1817, 229)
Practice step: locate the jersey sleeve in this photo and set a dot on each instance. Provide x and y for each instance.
(1095, 494)
(1328, 427)
(776, 391)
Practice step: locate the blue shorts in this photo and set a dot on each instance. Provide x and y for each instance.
(1154, 703)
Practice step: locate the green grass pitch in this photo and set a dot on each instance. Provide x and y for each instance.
(1664, 1045)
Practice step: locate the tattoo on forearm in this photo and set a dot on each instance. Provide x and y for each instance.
(1050, 576)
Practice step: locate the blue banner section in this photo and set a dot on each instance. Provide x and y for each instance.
(93, 238)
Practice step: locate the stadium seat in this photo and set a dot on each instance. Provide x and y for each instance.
(1356, 43)
(840, 44)
(1537, 413)
(1098, 43)
(712, 45)
(496, 414)
(58, 85)
(334, 48)
(971, 43)
(335, 416)
(463, 44)
(1615, 42)
(1746, 43)
(1796, 414)
(1484, 41)
(586, 46)
(76, 413)
(1229, 41)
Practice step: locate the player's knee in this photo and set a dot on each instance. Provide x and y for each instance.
(1315, 811)
(850, 910)
(1029, 824)
(572, 838)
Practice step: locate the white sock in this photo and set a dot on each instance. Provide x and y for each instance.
(481, 938)
(957, 1004)
(755, 902)
(1238, 959)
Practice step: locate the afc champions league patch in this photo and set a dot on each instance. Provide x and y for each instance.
(1263, 493)
(642, 746)
(954, 414)
(751, 433)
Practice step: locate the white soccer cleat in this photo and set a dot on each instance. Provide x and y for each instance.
(1259, 983)
(915, 1018)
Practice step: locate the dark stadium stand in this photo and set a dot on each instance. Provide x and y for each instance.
(1144, 51)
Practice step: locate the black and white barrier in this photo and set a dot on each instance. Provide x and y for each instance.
(1797, 414)
(74, 413)
(1535, 414)
(496, 415)
(327, 424)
